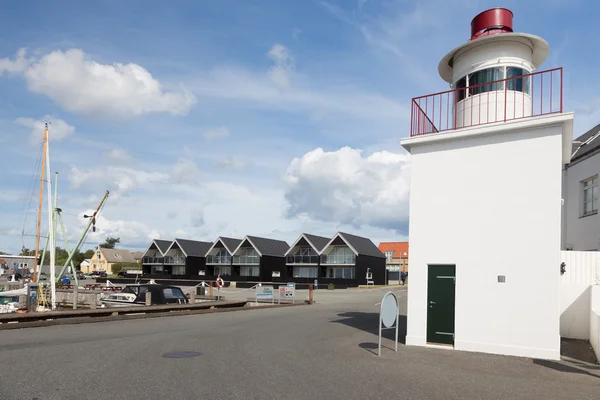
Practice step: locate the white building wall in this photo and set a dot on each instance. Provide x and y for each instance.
(491, 205)
(582, 233)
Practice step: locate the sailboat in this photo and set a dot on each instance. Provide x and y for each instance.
(54, 218)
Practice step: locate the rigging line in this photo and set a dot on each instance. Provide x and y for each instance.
(35, 178)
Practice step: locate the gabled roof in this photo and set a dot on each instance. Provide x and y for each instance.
(266, 247)
(116, 255)
(192, 248)
(360, 245)
(587, 143)
(161, 245)
(318, 243)
(230, 244)
(400, 249)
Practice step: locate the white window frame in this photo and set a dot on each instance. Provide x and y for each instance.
(594, 200)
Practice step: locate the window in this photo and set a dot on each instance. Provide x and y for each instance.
(305, 272)
(249, 271)
(173, 293)
(223, 271)
(340, 273)
(479, 81)
(482, 78)
(178, 270)
(516, 81)
(389, 255)
(590, 196)
(156, 269)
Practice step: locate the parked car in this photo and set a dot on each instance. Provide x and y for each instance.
(80, 275)
(43, 276)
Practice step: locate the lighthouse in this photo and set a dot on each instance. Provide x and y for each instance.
(485, 199)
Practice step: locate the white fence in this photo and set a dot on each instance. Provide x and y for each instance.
(582, 267)
(582, 270)
(595, 320)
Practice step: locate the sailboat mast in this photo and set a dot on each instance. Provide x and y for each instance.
(36, 264)
(51, 229)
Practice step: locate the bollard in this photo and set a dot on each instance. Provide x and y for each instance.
(75, 295)
(211, 293)
(193, 297)
(310, 293)
(148, 298)
(94, 302)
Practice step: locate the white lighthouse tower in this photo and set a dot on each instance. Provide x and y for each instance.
(485, 205)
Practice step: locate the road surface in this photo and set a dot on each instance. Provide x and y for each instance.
(324, 351)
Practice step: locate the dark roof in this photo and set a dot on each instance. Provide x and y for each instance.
(579, 151)
(363, 246)
(194, 248)
(230, 243)
(318, 241)
(269, 247)
(163, 245)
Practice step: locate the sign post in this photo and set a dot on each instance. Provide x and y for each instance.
(388, 317)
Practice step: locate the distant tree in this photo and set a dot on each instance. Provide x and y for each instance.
(88, 254)
(1, 253)
(26, 252)
(110, 242)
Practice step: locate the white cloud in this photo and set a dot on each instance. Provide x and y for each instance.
(185, 171)
(230, 162)
(345, 187)
(18, 65)
(280, 73)
(91, 88)
(118, 155)
(216, 133)
(133, 234)
(57, 128)
(118, 180)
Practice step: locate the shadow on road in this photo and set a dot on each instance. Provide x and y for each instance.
(367, 322)
(565, 367)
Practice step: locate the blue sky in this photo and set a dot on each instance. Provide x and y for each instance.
(208, 118)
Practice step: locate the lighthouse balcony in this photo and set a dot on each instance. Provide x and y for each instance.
(478, 99)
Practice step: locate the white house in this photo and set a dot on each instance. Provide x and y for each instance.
(581, 222)
(485, 206)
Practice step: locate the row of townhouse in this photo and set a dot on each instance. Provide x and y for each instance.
(345, 260)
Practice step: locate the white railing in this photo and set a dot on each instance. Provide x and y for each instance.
(175, 260)
(246, 260)
(218, 259)
(338, 259)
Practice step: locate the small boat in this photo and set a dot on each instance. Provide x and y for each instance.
(135, 295)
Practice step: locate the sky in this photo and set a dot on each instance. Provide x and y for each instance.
(232, 118)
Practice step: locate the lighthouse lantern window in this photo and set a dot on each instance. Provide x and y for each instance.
(516, 81)
(487, 80)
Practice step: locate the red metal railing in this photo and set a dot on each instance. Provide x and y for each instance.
(531, 95)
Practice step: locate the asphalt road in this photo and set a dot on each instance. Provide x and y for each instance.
(324, 351)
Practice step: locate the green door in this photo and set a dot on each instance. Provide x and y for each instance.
(440, 304)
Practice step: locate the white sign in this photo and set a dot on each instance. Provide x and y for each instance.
(264, 292)
(388, 316)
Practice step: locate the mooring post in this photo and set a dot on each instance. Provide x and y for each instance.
(310, 293)
(148, 298)
(193, 297)
(75, 296)
(210, 290)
